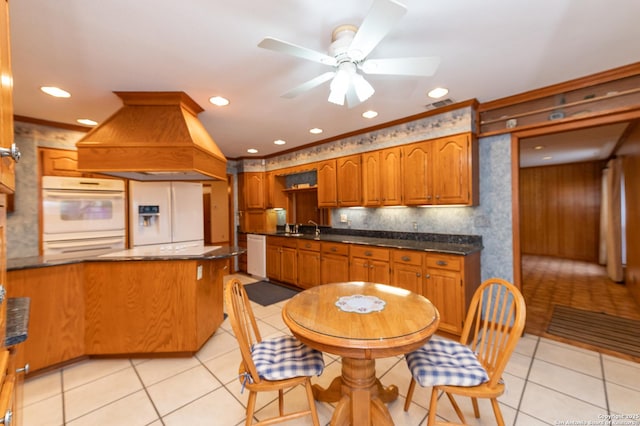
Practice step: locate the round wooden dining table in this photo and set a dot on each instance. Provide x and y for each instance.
(360, 321)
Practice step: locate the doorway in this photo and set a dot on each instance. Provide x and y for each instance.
(550, 276)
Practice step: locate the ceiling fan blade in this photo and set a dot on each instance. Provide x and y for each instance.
(314, 82)
(426, 66)
(295, 50)
(382, 16)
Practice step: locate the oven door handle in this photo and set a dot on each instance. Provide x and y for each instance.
(102, 243)
(83, 194)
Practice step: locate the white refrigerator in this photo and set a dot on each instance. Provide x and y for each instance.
(167, 214)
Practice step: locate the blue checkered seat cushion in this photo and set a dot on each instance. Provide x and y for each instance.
(286, 357)
(445, 362)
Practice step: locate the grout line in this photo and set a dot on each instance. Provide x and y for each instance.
(604, 384)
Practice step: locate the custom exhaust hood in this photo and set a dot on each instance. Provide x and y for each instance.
(154, 136)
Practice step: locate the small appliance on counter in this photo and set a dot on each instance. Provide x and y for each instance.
(167, 214)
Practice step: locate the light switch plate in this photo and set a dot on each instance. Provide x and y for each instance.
(343, 218)
(199, 272)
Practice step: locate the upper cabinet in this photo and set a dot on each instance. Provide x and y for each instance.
(348, 172)
(441, 171)
(252, 188)
(274, 187)
(7, 164)
(327, 184)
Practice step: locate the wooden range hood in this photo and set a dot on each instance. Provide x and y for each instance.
(154, 136)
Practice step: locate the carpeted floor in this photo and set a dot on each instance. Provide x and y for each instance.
(597, 329)
(267, 293)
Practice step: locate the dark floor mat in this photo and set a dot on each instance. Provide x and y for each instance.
(597, 329)
(267, 293)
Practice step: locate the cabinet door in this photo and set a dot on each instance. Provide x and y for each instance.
(275, 197)
(379, 272)
(289, 265)
(334, 269)
(452, 166)
(308, 268)
(254, 190)
(359, 269)
(7, 165)
(444, 289)
(57, 313)
(327, 184)
(417, 173)
(408, 277)
(274, 261)
(371, 179)
(391, 177)
(349, 184)
(59, 162)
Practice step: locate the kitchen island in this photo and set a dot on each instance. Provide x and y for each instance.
(123, 303)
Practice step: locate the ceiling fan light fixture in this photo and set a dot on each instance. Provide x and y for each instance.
(364, 90)
(339, 86)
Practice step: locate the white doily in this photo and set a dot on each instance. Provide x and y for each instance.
(361, 304)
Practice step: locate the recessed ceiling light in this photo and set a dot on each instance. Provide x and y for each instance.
(548, 157)
(538, 147)
(219, 101)
(55, 91)
(369, 114)
(438, 92)
(252, 151)
(86, 121)
(279, 142)
(315, 131)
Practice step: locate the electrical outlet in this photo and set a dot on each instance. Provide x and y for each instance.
(415, 226)
(344, 218)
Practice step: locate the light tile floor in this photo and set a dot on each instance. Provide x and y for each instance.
(547, 383)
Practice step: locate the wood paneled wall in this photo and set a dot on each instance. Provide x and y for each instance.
(560, 210)
(630, 153)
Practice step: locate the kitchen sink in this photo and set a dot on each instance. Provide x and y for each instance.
(291, 234)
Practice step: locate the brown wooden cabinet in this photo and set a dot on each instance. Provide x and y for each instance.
(152, 306)
(59, 162)
(368, 263)
(7, 165)
(381, 178)
(349, 180)
(327, 184)
(282, 259)
(308, 263)
(334, 262)
(251, 187)
(447, 280)
(440, 171)
(57, 312)
(275, 196)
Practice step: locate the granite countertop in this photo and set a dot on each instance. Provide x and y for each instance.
(222, 252)
(439, 243)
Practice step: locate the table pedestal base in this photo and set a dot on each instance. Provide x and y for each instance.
(359, 394)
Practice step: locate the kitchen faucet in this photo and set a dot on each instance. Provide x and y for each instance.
(317, 229)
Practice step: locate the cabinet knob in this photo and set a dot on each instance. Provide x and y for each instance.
(442, 263)
(24, 369)
(333, 249)
(368, 253)
(418, 274)
(12, 152)
(427, 276)
(406, 258)
(8, 416)
(428, 197)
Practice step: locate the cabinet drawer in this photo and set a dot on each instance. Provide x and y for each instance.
(276, 241)
(308, 245)
(441, 261)
(369, 252)
(290, 242)
(408, 257)
(335, 248)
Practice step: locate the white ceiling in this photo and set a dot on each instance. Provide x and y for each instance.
(488, 49)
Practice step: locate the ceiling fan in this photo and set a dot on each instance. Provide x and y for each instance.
(348, 55)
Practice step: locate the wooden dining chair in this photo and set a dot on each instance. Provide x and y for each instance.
(473, 366)
(270, 365)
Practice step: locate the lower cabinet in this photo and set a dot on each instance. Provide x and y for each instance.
(448, 281)
(57, 314)
(282, 259)
(369, 264)
(308, 263)
(334, 262)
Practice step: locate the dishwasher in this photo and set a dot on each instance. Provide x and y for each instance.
(257, 255)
